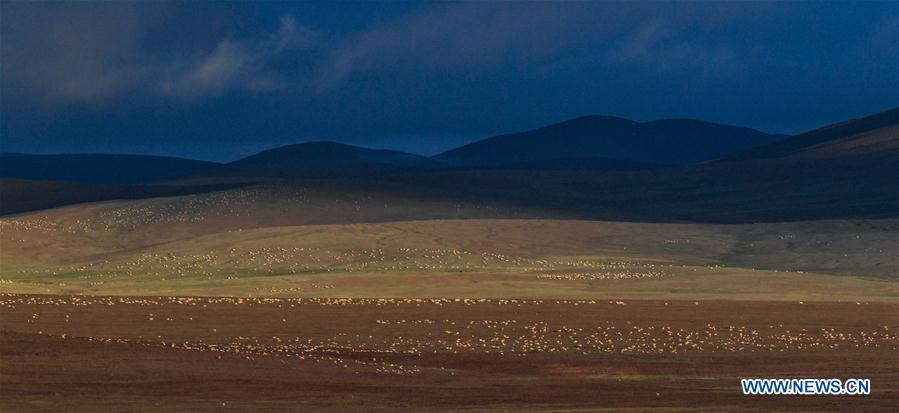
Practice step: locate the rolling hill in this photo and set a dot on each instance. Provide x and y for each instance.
(109, 168)
(851, 173)
(231, 246)
(304, 160)
(19, 195)
(875, 133)
(316, 160)
(842, 171)
(670, 141)
(328, 153)
(526, 231)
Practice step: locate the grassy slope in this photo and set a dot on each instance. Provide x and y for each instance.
(259, 242)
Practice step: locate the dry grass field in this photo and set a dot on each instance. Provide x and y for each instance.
(243, 300)
(234, 354)
(278, 242)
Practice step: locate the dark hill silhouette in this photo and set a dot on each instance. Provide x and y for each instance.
(328, 153)
(852, 173)
(669, 141)
(881, 143)
(17, 195)
(110, 168)
(316, 160)
(818, 138)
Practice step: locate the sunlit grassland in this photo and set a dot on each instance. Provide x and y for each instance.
(98, 249)
(679, 283)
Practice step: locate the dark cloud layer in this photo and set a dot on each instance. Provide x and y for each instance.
(219, 80)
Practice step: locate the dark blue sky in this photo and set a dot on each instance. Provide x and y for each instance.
(219, 80)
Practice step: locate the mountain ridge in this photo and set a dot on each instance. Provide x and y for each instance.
(109, 168)
(840, 130)
(674, 141)
(327, 153)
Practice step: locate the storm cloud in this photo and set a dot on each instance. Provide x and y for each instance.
(217, 80)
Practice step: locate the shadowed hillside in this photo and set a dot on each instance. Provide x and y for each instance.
(112, 168)
(328, 153)
(843, 171)
(670, 141)
(17, 195)
(883, 123)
